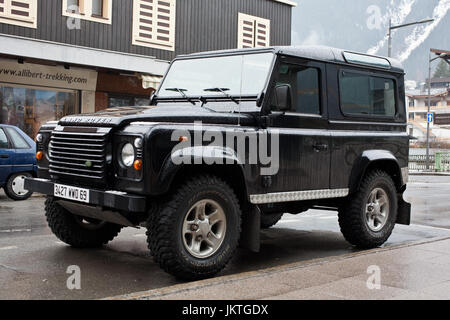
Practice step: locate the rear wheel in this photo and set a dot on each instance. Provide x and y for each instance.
(15, 189)
(196, 232)
(368, 218)
(78, 231)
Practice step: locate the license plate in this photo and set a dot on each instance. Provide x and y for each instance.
(71, 193)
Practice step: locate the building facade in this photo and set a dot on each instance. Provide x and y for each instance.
(60, 57)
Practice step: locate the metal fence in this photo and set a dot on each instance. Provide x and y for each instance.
(439, 162)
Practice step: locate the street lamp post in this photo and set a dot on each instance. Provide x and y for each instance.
(441, 56)
(391, 27)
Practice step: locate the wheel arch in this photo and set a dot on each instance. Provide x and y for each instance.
(227, 167)
(376, 159)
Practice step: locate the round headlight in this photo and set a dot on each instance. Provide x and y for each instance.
(127, 155)
(39, 138)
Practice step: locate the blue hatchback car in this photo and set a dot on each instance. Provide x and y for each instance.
(17, 161)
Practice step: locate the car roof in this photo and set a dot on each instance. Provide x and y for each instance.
(319, 53)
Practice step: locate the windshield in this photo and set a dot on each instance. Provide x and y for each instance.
(235, 75)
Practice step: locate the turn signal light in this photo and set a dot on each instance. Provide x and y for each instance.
(137, 165)
(40, 155)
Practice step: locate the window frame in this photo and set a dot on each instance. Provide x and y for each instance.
(85, 11)
(369, 74)
(24, 21)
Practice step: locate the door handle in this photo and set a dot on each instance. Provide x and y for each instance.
(320, 147)
(4, 156)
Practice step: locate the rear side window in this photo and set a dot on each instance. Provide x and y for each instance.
(3, 140)
(365, 95)
(18, 141)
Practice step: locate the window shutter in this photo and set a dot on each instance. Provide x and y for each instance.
(19, 12)
(154, 23)
(253, 31)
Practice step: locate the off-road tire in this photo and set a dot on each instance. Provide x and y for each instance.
(65, 226)
(352, 215)
(269, 220)
(164, 229)
(9, 191)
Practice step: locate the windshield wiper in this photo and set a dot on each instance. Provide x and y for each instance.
(181, 91)
(224, 91)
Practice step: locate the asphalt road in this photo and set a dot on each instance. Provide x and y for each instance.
(33, 263)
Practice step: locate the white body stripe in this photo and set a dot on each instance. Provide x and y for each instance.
(298, 196)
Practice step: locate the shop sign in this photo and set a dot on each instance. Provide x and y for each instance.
(48, 76)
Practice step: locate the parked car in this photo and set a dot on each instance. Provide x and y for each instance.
(17, 161)
(232, 141)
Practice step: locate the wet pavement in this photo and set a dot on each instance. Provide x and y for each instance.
(33, 262)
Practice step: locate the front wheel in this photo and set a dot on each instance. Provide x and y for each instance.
(77, 231)
(15, 189)
(368, 218)
(195, 234)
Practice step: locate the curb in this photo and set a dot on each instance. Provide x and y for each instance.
(442, 174)
(186, 287)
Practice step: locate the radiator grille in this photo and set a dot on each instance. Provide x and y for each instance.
(78, 154)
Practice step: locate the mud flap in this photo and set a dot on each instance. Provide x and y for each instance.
(251, 228)
(404, 211)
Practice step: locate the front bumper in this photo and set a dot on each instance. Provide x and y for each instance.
(115, 200)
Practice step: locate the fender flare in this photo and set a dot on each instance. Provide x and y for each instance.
(202, 156)
(371, 157)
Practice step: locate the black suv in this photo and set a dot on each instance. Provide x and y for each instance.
(231, 141)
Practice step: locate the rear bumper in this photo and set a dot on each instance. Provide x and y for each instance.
(119, 201)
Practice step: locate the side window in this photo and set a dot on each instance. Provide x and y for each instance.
(305, 87)
(364, 95)
(3, 140)
(18, 141)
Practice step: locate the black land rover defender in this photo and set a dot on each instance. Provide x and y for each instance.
(231, 141)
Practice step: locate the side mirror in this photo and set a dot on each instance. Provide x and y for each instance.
(283, 97)
(153, 99)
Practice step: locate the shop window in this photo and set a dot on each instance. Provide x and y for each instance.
(30, 107)
(92, 10)
(127, 101)
(19, 12)
(154, 23)
(253, 31)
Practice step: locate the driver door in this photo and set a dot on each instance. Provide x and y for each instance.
(303, 129)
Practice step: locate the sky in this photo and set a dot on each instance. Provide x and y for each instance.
(362, 25)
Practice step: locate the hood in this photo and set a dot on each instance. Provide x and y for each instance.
(176, 112)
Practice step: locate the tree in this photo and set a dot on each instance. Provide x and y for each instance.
(442, 70)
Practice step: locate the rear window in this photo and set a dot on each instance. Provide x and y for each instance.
(18, 140)
(365, 95)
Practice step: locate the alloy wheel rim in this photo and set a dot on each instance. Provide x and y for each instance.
(377, 209)
(204, 228)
